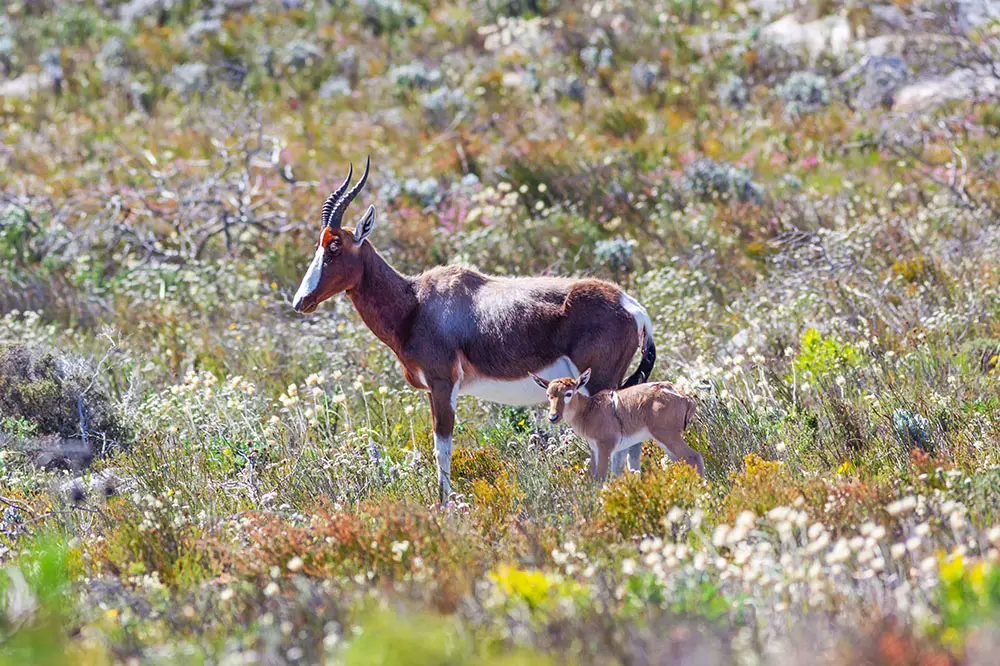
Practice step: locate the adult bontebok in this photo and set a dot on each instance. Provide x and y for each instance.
(459, 332)
(613, 421)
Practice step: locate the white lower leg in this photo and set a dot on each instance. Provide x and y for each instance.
(618, 462)
(633, 457)
(442, 454)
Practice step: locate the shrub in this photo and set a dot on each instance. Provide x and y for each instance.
(635, 504)
(968, 596)
(913, 429)
(189, 79)
(733, 92)
(804, 91)
(708, 179)
(56, 396)
(389, 16)
(821, 355)
(616, 253)
(623, 123)
(644, 76)
(761, 486)
(427, 640)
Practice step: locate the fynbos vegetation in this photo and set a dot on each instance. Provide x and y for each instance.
(802, 195)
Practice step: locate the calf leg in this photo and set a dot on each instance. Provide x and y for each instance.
(443, 415)
(603, 462)
(675, 446)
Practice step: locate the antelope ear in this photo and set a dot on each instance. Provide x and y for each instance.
(582, 380)
(365, 226)
(538, 380)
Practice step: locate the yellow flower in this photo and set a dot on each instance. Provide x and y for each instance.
(952, 571)
(112, 613)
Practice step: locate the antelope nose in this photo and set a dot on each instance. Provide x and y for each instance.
(297, 304)
(553, 418)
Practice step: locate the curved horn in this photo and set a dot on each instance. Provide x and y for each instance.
(331, 200)
(338, 210)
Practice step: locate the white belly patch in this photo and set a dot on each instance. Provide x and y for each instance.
(628, 441)
(519, 392)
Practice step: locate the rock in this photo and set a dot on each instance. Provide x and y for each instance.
(189, 79)
(973, 14)
(27, 85)
(965, 83)
(890, 16)
(827, 36)
(335, 86)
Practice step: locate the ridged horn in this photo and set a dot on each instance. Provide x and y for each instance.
(331, 200)
(337, 213)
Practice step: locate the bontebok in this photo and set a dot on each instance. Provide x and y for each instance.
(614, 421)
(459, 332)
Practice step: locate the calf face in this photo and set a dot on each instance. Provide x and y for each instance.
(561, 392)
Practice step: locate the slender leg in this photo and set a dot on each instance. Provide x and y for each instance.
(603, 461)
(633, 458)
(675, 447)
(443, 416)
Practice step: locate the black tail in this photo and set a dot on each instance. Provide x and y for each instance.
(642, 373)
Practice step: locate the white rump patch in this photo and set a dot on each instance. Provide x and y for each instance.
(311, 280)
(642, 320)
(520, 392)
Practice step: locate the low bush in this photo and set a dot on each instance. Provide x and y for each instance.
(635, 504)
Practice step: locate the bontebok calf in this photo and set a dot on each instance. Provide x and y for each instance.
(613, 421)
(457, 331)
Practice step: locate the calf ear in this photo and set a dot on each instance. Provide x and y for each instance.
(365, 226)
(538, 380)
(583, 379)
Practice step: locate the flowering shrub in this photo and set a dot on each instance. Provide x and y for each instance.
(636, 504)
(822, 276)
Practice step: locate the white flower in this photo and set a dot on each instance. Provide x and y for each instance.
(628, 566)
(897, 550)
(271, 589)
(719, 535)
(295, 563)
(840, 552)
(900, 506)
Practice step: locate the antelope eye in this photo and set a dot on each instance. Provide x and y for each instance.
(332, 249)
(569, 394)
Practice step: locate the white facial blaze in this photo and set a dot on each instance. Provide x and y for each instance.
(311, 280)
